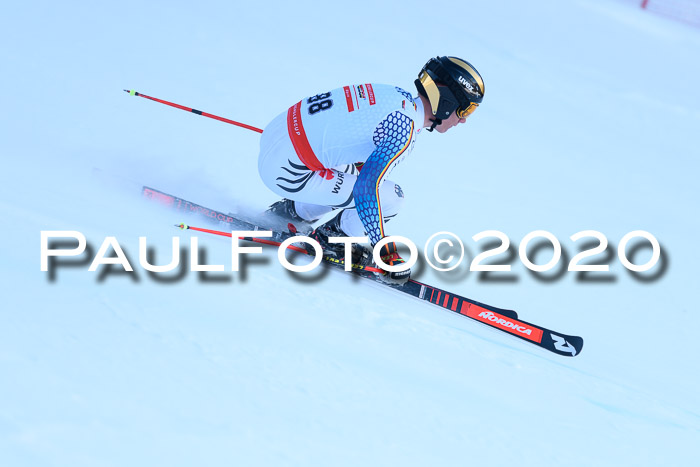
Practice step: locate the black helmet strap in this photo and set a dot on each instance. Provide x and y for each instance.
(436, 122)
(447, 104)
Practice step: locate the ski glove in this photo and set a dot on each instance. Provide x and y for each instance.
(391, 257)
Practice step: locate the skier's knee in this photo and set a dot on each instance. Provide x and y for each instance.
(392, 199)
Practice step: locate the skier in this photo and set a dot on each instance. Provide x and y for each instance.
(334, 150)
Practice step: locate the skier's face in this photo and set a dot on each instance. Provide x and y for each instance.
(454, 120)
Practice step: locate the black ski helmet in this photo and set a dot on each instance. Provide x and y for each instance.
(450, 84)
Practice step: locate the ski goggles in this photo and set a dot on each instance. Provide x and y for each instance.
(467, 111)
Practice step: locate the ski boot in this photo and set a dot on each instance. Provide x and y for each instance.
(284, 211)
(336, 251)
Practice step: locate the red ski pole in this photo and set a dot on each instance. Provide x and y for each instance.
(195, 111)
(249, 239)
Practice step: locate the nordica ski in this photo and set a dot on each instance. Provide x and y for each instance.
(497, 318)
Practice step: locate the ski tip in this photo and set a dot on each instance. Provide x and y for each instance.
(182, 226)
(132, 93)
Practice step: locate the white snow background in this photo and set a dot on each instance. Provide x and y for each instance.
(587, 123)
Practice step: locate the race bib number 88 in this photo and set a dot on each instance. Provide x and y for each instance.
(319, 102)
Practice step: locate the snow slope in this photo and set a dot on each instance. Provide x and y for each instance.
(589, 122)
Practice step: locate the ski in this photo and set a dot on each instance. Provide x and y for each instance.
(497, 318)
